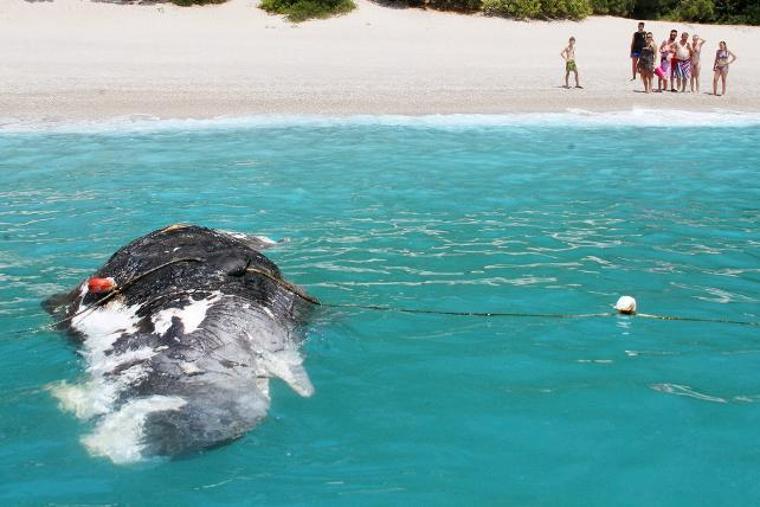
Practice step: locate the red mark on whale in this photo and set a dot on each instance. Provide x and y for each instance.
(99, 285)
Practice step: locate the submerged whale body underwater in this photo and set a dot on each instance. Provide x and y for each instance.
(181, 330)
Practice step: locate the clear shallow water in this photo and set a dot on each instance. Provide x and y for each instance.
(419, 409)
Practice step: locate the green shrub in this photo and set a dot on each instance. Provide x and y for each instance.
(720, 11)
(453, 5)
(442, 5)
(565, 9)
(702, 11)
(613, 7)
(745, 12)
(519, 9)
(654, 9)
(600, 7)
(188, 3)
(579, 9)
(752, 15)
(301, 10)
(542, 9)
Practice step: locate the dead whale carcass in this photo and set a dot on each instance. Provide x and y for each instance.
(181, 330)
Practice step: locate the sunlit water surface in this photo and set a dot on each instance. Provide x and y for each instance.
(417, 409)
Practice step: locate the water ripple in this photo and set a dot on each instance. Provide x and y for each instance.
(682, 390)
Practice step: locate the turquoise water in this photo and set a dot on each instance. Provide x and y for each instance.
(560, 217)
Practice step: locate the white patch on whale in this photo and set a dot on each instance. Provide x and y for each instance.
(119, 435)
(101, 327)
(85, 400)
(97, 396)
(191, 316)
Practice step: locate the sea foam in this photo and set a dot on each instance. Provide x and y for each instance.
(636, 117)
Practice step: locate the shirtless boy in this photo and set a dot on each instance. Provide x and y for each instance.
(568, 54)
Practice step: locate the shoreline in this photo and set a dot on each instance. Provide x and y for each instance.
(93, 105)
(637, 118)
(69, 60)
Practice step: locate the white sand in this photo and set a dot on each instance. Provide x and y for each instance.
(75, 59)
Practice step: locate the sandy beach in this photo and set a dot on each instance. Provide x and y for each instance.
(81, 60)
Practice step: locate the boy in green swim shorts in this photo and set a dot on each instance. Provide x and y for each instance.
(568, 54)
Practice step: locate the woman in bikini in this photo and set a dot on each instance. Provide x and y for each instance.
(696, 51)
(647, 62)
(723, 58)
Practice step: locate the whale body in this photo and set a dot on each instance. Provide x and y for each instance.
(179, 351)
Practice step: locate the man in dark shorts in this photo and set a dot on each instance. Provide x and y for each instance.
(637, 43)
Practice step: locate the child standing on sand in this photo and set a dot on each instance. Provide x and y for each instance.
(568, 54)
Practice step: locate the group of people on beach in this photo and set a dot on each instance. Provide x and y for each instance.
(676, 60)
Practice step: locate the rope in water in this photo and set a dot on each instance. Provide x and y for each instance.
(536, 315)
(297, 291)
(427, 311)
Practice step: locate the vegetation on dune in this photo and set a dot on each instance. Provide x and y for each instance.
(442, 5)
(544, 9)
(294, 10)
(181, 3)
(701, 11)
(188, 3)
(736, 12)
(301, 10)
(622, 8)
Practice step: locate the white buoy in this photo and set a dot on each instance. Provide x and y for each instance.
(626, 305)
